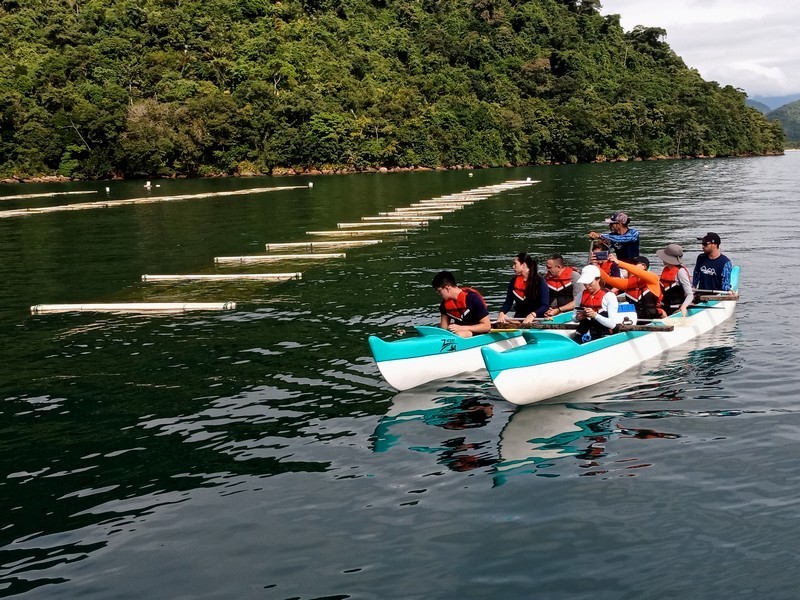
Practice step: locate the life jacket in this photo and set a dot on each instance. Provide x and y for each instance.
(591, 326)
(594, 301)
(672, 294)
(457, 309)
(560, 287)
(643, 298)
(520, 287)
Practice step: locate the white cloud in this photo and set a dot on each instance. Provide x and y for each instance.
(749, 45)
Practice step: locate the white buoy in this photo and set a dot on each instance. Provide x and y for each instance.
(528, 179)
(108, 189)
(310, 184)
(470, 174)
(147, 185)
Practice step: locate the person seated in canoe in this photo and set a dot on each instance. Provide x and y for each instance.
(624, 240)
(463, 310)
(562, 283)
(600, 256)
(676, 284)
(641, 287)
(527, 291)
(712, 270)
(596, 313)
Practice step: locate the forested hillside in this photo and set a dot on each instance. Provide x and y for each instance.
(789, 117)
(93, 88)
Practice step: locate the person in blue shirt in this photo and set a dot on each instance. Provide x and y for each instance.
(712, 271)
(527, 291)
(623, 239)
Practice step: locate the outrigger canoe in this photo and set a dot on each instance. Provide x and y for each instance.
(552, 364)
(435, 353)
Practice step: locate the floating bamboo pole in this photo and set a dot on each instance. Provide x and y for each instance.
(150, 200)
(46, 195)
(433, 210)
(131, 307)
(336, 232)
(275, 257)
(312, 245)
(410, 223)
(226, 277)
(403, 218)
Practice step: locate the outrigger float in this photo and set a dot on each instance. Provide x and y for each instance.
(552, 364)
(530, 365)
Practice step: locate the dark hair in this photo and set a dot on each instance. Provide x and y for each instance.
(443, 278)
(532, 289)
(557, 257)
(600, 245)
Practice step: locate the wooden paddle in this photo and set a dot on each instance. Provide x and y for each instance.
(574, 326)
(718, 297)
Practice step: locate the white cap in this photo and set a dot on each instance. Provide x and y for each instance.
(588, 274)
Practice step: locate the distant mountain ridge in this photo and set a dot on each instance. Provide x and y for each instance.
(774, 102)
(788, 116)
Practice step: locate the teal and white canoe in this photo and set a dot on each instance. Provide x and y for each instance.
(552, 364)
(435, 354)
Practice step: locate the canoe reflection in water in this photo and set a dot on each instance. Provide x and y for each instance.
(532, 440)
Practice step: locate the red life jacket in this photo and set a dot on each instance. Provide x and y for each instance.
(560, 287)
(637, 289)
(457, 309)
(520, 287)
(594, 301)
(672, 293)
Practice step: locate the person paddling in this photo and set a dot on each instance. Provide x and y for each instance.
(463, 310)
(527, 291)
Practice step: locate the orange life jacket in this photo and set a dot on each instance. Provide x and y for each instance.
(520, 287)
(672, 294)
(560, 287)
(457, 309)
(594, 301)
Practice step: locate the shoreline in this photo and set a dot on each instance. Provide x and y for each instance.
(316, 171)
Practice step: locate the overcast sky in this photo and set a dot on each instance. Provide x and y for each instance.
(752, 45)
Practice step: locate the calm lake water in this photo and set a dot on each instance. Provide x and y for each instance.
(258, 454)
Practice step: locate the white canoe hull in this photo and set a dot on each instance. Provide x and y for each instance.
(529, 384)
(407, 373)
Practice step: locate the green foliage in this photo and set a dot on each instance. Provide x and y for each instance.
(91, 88)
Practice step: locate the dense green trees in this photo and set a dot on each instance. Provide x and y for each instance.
(92, 88)
(788, 116)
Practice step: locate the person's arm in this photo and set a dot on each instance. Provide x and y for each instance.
(696, 273)
(643, 274)
(477, 307)
(726, 276)
(683, 279)
(620, 238)
(621, 283)
(544, 298)
(509, 301)
(610, 306)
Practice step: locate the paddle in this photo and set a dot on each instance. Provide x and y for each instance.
(718, 297)
(574, 326)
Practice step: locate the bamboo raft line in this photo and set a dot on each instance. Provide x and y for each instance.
(404, 218)
(276, 257)
(224, 277)
(154, 200)
(312, 245)
(410, 210)
(417, 223)
(354, 232)
(46, 195)
(132, 307)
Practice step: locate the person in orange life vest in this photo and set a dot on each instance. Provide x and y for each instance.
(642, 288)
(608, 266)
(676, 283)
(527, 291)
(597, 311)
(463, 310)
(562, 283)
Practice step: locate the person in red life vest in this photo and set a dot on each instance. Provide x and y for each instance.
(527, 291)
(601, 258)
(463, 310)
(596, 312)
(676, 283)
(562, 283)
(642, 288)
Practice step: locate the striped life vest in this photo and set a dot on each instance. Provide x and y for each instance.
(560, 287)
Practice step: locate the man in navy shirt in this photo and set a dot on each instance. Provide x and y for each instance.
(713, 269)
(463, 310)
(624, 240)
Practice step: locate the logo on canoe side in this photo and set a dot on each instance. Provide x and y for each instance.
(448, 345)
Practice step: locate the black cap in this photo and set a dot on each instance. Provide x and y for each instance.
(710, 237)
